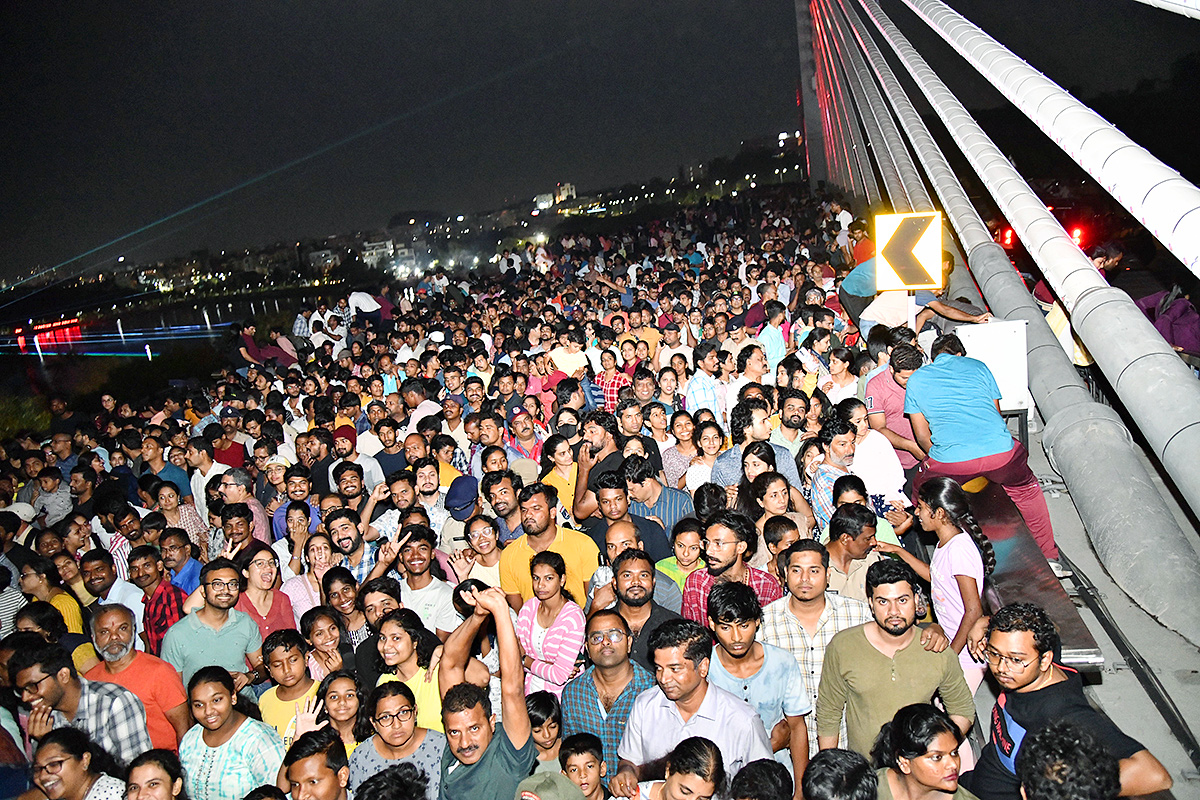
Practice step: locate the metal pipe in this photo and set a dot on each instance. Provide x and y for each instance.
(1158, 390)
(836, 173)
(1157, 195)
(839, 120)
(866, 176)
(961, 282)
(1087, 442)
(883, 144)
(1188, 8)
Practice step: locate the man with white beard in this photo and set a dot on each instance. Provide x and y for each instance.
(154, 681)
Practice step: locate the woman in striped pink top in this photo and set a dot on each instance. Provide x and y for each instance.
(550, 627)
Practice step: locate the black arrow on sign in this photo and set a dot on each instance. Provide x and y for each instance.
(898, 252)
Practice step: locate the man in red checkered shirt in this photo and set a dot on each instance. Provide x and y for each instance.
(729, 541)
(164, 600)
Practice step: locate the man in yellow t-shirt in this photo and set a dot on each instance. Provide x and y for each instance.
(285, 653)
(539, 502)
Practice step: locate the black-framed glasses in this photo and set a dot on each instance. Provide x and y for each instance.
(219, 585)
(31, 688)
(401, 715)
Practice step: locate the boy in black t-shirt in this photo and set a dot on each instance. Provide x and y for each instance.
(1019, 650)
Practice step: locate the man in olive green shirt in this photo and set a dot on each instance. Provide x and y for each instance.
(872, 671)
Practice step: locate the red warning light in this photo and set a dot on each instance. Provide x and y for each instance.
(1077, 236)
(1008, 237)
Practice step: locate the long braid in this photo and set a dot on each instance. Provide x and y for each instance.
(946, 494)
(967, 523)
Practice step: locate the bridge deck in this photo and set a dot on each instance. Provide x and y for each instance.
(1023, 576)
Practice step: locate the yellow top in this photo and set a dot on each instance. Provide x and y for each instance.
(580, 553)
(446, 474)
(429, 699)
(281, 714)
(69, 609)
(565, 487)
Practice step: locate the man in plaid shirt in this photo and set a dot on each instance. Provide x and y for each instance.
(727, 546)
(113, 716)
(599, 700)
(164, 600)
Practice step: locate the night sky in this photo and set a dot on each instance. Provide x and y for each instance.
(118, 114)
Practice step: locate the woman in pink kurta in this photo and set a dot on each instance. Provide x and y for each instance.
(550, 627)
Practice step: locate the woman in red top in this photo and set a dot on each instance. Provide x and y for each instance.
(270, 608)
(611, 380)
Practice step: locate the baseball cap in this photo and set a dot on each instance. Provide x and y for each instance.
(516, 412)
(460, 497)
(277, 460)
(732, 326)
(345, 354)
(229, 412)
(548, 786)
(23, 510)
(456, 398)
(346, 432)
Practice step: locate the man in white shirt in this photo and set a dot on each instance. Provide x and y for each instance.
(204, 468)
(344, 442)
(431, 598)
(101, 581)
(672, 343)
(684, 704)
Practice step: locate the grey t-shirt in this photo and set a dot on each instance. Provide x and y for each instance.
(365, 761)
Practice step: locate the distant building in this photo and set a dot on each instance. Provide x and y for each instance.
(323, 259)
(544, 201)
(375, 252)
(564, 192)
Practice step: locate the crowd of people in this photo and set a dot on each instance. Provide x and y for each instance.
(670, 514)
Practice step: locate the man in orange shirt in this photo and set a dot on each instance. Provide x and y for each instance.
(154, 681)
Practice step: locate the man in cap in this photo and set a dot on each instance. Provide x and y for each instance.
(344, 443)
(672, 344)
(523, 440)
(738, 336)
(463, 502)
(230, 448)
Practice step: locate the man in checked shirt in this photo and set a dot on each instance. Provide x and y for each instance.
(807, 617)
(113, 716)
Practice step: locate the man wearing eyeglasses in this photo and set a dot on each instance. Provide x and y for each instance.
(1020, 649)
(599, 700)
(217, 633)
(113, 716)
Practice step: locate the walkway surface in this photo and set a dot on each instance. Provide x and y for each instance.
(1116, 690)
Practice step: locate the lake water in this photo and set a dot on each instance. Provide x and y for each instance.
(138, 333)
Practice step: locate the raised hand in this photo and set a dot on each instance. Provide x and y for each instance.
(380, 493)
(41, 720)
(462, 563)
(306, 716)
